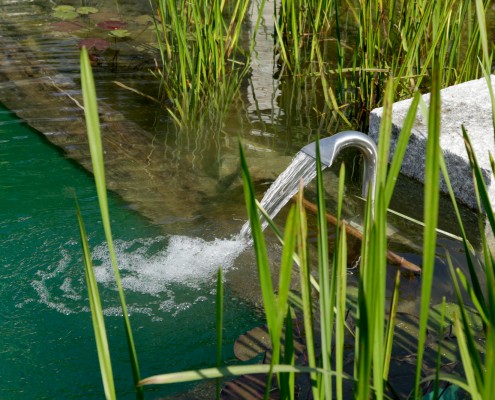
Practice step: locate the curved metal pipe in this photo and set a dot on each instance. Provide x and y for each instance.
(331, 146)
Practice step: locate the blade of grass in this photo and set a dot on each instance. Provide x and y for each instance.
(287, 380)
(96, 149)
(466, 359)
(259, 243)
(432, 175)
(283, 288)
(96, 314)
(389, 335)
(225, 372)
(439, 350)
(306, 298)
(472, 364)
(219, 325)
(327, 287)
(400, 149)
(364, 344)
(340, 312)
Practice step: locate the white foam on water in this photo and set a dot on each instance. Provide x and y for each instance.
(152, 267)
(184, 260)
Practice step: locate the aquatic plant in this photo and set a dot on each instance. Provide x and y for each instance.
(94, 139)
(356, 46)
(203, 58)
(65, 12)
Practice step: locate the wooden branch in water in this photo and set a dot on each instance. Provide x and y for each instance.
(392, 257)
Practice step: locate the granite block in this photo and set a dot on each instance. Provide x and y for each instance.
(467, 104)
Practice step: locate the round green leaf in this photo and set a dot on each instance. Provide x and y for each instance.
(65, 15)
(87, 10)
(64, 8)
(144, 19)
(120, 33)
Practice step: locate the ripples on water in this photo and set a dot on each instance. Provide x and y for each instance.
(151, 269)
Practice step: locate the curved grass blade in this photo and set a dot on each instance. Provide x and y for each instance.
(466, 359)
(400, 149)
(219, 325)
(236, 370)
(96, 149)
(432, 176)
(258, 243)
(472, 363)
(96, 314)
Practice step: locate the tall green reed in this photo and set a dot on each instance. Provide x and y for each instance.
(204, 58)
(94, 139)
(478, 367)
(356, 45)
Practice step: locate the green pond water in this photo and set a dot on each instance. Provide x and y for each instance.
(48, 350)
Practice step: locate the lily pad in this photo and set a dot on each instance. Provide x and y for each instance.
(95, 43)
(120, 33)
(87, 10)
(64, 8)
(112, 25)
(65, 15)
(144, 19)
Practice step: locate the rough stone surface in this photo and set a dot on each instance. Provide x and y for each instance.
(467, 104)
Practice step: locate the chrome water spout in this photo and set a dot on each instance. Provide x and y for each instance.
(331, 146)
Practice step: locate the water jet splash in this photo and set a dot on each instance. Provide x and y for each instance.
(167, 273)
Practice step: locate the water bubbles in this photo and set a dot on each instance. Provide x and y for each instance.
(152, 271)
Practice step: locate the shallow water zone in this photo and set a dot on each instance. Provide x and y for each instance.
(176, 206)
(48, 350)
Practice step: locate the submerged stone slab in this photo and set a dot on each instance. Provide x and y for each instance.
(467, 104)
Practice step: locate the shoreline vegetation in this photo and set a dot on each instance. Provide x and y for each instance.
(343, 52)
(399, 51)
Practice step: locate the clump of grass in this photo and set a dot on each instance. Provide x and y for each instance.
(355, 46)
(203, 58)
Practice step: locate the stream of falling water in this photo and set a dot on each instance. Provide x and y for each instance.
(302, 168)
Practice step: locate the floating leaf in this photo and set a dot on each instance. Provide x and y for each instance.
(95, 43)
(66, 26)
(64, 8)
(120, 33)
(87, 10)
(65, 15)
(112, 25)
(144, 19)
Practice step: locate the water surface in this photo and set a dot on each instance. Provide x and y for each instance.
(48, 350)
